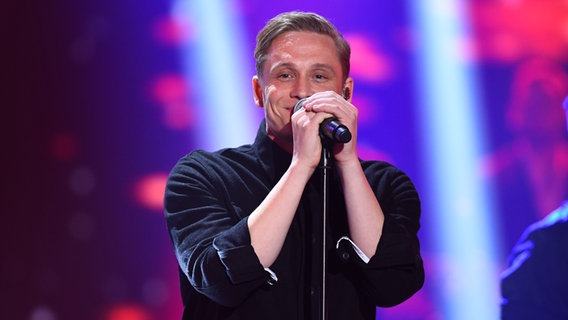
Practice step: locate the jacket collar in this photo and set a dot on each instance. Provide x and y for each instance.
(273, 159)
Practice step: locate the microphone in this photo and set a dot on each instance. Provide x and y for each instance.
(330, 128)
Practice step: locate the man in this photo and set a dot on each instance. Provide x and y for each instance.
(245, 222)
(535, 286)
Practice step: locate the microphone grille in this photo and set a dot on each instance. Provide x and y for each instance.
(299, 105)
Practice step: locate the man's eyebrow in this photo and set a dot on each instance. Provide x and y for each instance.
(324, 66)
(315, 66)
(281, 65)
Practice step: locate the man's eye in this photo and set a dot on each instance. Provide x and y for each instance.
(320, 77)
(285, 76)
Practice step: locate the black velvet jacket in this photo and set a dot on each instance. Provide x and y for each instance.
(209, 196)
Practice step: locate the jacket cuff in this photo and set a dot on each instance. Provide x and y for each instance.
(237, 255)
(345, 241)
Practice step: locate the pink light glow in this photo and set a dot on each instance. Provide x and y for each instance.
(173, 32)
(172, 93)
(127, 312)
(367, 62)
(149, 191)
(508, 31)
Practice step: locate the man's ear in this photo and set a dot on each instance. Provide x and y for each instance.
(257, 91)
(346, 93)
(348, 89)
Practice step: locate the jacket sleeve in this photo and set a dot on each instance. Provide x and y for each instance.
(535, 285)
(210, 235)
(396, 270)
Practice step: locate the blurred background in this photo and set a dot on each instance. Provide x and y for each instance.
(101, 98)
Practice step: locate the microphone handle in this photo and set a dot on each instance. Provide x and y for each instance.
(333, 130)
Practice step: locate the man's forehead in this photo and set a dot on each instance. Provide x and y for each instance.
(290, 46)
(292, 39)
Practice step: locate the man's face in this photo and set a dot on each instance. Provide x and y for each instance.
(297, 65)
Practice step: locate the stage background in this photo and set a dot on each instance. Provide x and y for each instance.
(100, 98)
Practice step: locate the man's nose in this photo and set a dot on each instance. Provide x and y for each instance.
(301, 89)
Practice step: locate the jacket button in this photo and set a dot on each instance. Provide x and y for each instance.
(345, 256)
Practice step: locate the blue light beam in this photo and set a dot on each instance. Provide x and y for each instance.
(215, 59)
(461, 202)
